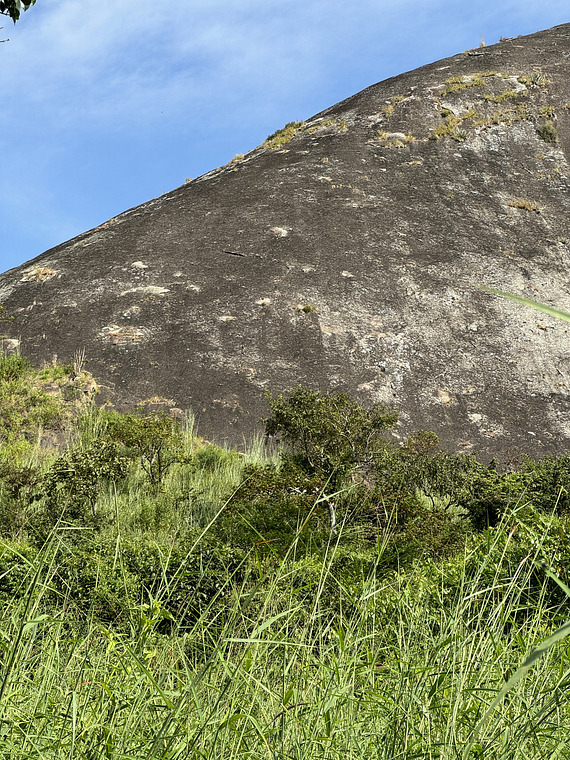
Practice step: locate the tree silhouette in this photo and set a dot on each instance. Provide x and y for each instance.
(13, 8)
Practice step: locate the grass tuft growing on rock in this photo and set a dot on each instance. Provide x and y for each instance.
(525, 204)
(282, 136)
(548, 132)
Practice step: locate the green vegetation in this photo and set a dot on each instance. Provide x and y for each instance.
(460, 83)
(388, 109)
(525, 204)
(156, 440)
(391, 140)
(450, 126)
(161, 597)
(500, 98)
(516, 104)
(30, 403)
(340, 123)
(536, 79)
(548, 112)
(548, 132)
(293, 128)
(13, 8)
(284, 135)
(330, 435)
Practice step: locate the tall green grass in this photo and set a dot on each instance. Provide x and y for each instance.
(397, 665)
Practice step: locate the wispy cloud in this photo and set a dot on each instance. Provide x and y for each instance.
(114, 64)
(117, 65)
(107, 103)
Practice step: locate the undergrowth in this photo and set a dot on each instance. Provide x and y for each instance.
(207, 605)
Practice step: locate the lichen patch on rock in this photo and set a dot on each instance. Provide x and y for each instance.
(123, 335)
(153, 290)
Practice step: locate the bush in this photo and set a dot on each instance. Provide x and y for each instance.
(548, 132)
(18, 490)
(186, 583)
(13, 367)
(156, 439)
(72, 484)
(16, 569)
(548, 482)
(110, 580)
(330, 435)
(269, 509)
(25, 407)
(420, 466)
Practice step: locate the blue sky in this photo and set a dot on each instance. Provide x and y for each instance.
(107, 104)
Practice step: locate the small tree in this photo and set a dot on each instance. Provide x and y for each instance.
(75, 479)
(329, 434)
(156, 438)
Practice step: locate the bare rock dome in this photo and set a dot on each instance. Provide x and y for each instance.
(346, 253)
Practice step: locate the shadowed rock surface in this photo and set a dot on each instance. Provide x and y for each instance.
(347, 258)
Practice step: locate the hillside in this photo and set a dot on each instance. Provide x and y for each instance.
(346, 253)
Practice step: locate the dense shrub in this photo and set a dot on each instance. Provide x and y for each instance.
(17, 568)
(420, 463)
(548, 482)
(110, 580)
(482, 490)
(156, 439)
(12, 366)
(186, 582)
(328, 434)
(18, 492)
(71, 486)
(271, 507)
(412, 503)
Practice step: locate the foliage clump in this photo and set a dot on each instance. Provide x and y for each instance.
(284, 135)
(459, 83)
(156, 439)
(73, 482)
(524, 204)
(548, 132)
(330, 434)
(13, 8)
(451, 124)
(13, 367)
(35, 401)
(293, 128)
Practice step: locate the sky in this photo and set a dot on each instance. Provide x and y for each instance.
(106, 104)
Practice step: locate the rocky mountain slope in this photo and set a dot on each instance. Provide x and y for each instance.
(348, 253)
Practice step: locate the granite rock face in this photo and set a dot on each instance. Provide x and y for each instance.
(349, 257)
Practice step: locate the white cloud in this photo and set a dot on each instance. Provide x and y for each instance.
(113, 66)
(194, 81)
(109, 64)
